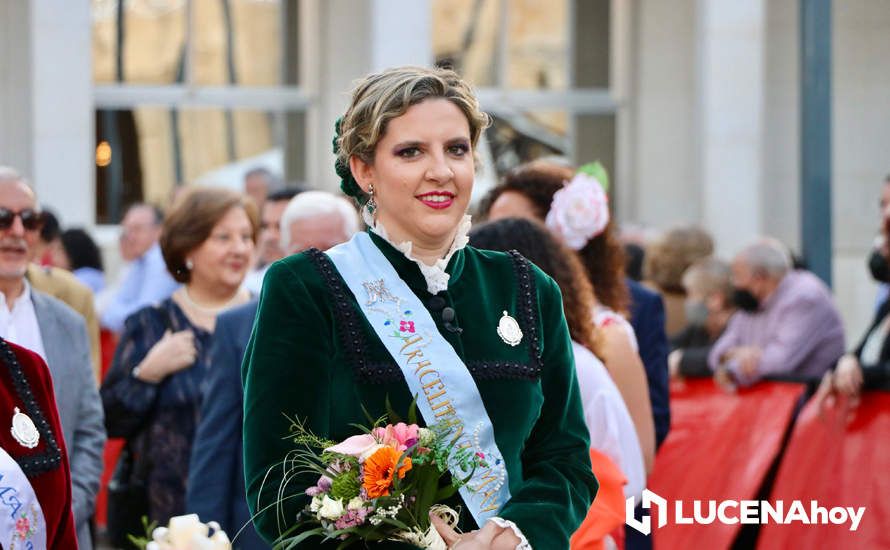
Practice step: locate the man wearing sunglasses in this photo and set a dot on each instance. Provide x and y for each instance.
(58, 334)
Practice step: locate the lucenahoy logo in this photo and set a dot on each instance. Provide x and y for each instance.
(704, 512)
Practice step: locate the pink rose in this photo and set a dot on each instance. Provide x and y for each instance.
(400, 436)
(356, 445)
(579, 212)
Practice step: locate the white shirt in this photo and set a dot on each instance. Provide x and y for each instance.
(254, 280)
(435, 275)
(611, 428)
(19, 325)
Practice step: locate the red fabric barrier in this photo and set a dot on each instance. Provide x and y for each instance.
(107, 344)
(113, 448)
(836, 464)
(720, 447)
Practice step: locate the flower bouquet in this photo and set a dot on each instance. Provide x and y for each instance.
(184, 533)
(381, 484)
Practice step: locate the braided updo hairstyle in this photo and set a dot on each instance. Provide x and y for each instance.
(383, 96)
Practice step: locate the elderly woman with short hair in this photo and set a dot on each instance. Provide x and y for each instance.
(152, 393)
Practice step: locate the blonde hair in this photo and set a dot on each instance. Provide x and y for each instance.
(383, 96)
(670, 256)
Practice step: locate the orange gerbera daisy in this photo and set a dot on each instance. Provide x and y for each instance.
(379, 470)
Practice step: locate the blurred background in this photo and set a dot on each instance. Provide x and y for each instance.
(694, 106)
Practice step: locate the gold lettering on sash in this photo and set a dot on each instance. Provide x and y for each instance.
(456, 426)
(441, 404)
(411, 341)
(438, 394)
(426, 372)
(489, 496)
(445, 412)
(421, 365)
(487, 478)
(448, 410)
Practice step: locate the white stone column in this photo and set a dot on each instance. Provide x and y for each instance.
(46, 103)
(346, 40)
(731, 38)
(15, 79)
(662, 127)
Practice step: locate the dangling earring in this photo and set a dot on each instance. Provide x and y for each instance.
(371, 204)
(189, 264)
(369, 208)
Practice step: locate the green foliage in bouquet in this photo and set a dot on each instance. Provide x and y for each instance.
(378, 485)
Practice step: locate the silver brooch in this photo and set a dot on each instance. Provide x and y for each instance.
(509, 331)
(23, 430)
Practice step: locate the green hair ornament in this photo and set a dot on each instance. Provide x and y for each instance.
(597, 171)
(348, 184)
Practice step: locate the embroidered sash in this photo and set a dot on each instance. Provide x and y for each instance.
(22, 524)
(443, 387)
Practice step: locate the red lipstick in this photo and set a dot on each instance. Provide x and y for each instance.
(437, 200)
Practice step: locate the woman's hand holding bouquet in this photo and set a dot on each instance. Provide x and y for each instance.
(383, 484)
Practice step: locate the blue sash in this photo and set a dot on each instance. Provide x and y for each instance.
(22, 524)
(437, 377)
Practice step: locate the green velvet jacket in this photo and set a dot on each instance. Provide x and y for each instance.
(313, 356)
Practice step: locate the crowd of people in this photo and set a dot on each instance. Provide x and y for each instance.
(227, 319)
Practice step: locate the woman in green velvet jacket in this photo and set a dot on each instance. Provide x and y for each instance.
(406, 152)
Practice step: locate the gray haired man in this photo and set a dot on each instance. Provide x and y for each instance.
(788, 324)
(317, 219)
(57, 333)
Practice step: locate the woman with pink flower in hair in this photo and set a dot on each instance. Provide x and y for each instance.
(575, 207)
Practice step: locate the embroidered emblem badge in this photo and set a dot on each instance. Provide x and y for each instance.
(377, 292)
(23, 430)
(509, 331)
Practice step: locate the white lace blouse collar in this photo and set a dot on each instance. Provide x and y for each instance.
(435, 275)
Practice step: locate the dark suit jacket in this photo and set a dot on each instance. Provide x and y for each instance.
(647, 318)
(876, 376)
(216, 472)
(695, 341)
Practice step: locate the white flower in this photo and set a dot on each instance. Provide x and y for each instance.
(425, 437)
(315, 504)
(353, 446)
(182, 529)
(355, 504)
(221, 540)
(579, 212)
(187, 532)
(330, 508)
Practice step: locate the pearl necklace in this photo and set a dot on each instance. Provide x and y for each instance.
(209, 310)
